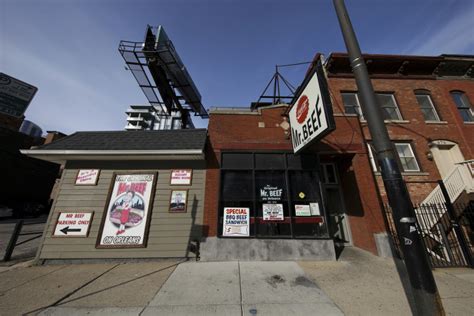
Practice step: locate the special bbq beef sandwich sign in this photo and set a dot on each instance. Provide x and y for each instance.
(311, 115)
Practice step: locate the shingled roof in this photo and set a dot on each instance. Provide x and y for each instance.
(183, 139)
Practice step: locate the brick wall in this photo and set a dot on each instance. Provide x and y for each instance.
(344, 146)
(362, 188)
(414, 128)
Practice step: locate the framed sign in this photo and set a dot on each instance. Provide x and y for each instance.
(178, 201)
(236, 222)
(87, 177)
(73, 224)
(272, 212)
(181, 177)
(127, 215)
(302, 210)
(15, 95)
(311, 116)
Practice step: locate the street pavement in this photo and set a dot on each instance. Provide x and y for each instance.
(359, 283)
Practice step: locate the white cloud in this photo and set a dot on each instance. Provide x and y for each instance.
(456, 37)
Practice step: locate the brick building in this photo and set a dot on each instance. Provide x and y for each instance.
(247, 196)
(429, 116)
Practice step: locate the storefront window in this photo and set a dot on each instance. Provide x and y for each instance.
(282, 192)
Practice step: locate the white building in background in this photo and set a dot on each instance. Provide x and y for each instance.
(148, 117)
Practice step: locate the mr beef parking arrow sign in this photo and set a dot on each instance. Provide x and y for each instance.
(73, 224)
(311, 115)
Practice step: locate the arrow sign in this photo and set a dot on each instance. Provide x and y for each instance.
(73, 224)
(66, 229)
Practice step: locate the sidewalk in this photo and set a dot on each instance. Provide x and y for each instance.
(358, 284)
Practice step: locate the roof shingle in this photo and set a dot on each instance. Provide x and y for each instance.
(131, 140)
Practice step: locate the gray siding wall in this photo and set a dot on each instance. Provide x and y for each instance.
(169, 234)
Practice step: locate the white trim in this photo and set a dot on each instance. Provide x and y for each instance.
(61, 156)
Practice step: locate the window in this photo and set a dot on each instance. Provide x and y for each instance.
(389, 106)
(406, 158)
(463, 105)
(386, 101)
(282, 183)
(426, 106)
(351, 103)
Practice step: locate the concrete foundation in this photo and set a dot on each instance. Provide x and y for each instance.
(230, 249)
(384, 245)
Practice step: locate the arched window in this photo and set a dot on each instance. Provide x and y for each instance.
(463, 105)
(426, 105)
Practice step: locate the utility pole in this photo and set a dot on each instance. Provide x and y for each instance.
(426, 296)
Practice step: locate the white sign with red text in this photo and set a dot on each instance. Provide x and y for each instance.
(181, 177)
(87, 177)
(236, 222)
(311, 116)
(73, 224)
(272, 212)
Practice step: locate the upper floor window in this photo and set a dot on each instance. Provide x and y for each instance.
(389, 106)
(351, 103)
(406, 157)
(426, 106)
(463, 105)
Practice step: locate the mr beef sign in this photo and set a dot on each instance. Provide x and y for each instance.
(311, 115)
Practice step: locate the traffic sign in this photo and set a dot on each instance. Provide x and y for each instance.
(73, 224)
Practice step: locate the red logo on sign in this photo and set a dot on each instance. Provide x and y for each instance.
(302, 109)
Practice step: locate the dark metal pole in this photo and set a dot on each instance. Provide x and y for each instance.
(426, 296)
(13, 240)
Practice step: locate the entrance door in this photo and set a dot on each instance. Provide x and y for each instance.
(445, 154)
(334, 202)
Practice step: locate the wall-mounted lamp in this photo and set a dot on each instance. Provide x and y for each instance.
(429, 155)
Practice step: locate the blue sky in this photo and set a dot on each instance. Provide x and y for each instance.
(68, 48)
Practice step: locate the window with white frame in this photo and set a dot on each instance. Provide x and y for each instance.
(406, 157)
(426, 106)
(351, 103)
(389, 106)
(463, 105)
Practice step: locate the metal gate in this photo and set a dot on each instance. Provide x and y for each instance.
(447, 232)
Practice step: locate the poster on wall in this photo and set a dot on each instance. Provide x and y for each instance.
(272, 212)
(127, 214)
(271, 193)
(302, 210)
(178, 201)
(87, 177)
(236, 222)
(181, 177)
(314, 209)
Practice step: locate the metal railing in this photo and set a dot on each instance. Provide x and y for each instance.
(13, 242)
(448, 235)
(458, 180)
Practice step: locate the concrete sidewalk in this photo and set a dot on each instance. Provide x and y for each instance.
(358, 284)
